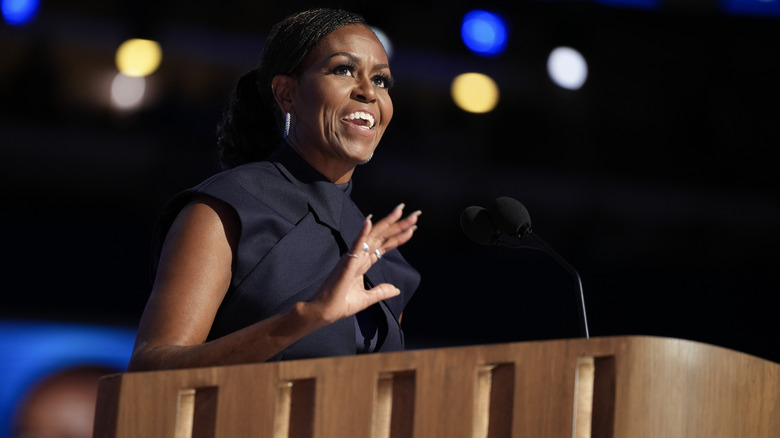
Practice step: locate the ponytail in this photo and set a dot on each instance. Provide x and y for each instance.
(250, 129)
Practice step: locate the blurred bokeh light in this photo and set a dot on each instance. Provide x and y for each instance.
(475, 92)
(484, 33)
(567, 68)
(385, 40)
(752, 7)
(19, 12)
(138, 57)
(127, 92)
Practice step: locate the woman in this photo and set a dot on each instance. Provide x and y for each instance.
(270, 259)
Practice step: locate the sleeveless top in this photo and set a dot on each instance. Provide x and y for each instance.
(295, 225)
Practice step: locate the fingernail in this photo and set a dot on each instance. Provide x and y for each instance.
(368, 218)
(400, 206)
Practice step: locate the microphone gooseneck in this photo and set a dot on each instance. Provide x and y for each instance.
(508, 223)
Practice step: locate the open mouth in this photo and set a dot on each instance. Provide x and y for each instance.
(360, 118)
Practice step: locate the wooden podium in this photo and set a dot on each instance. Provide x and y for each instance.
(626, 387)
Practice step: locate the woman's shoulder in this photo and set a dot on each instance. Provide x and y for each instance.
(249, 174)
(254, 188)
(254, 191)
(257, 180)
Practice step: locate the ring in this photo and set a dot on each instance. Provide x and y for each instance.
(354, 256)
(378, 254)
(365, 247)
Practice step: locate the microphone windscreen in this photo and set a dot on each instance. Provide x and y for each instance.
(511, 216)
(478, 226)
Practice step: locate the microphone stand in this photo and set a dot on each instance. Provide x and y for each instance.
(542, 246)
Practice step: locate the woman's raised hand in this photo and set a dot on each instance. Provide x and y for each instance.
(343, 293)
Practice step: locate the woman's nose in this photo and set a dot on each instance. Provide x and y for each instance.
(364, 90)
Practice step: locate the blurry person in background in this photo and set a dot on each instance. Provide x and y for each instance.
(60, 405)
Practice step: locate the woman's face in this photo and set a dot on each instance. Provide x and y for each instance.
(341, 104)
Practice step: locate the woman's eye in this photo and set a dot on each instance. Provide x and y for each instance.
(383, 81)
(343, 70)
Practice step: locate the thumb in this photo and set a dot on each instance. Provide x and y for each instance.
(384, 291)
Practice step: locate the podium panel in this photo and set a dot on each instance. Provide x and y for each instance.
(627, 387)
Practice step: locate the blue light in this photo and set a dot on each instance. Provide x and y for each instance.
(19, 12)
(752, 7)
(484, 33)
(30, 350)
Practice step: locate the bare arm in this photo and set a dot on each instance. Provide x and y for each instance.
(194, 274)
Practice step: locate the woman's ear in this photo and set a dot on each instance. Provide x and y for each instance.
(283, 87)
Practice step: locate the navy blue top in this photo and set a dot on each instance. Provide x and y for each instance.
(295, 225)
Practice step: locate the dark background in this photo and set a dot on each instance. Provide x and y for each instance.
(657, 180)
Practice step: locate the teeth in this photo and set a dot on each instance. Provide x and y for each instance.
(362, 116)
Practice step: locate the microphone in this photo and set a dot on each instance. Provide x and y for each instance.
(479, 226)
(508, 223)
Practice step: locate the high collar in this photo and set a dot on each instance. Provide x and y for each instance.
(323, 197)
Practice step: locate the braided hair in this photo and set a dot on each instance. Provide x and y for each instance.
(252, 124)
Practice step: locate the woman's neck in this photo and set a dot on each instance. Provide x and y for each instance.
(335, 171)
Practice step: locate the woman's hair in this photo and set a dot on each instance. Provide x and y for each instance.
(252, 124)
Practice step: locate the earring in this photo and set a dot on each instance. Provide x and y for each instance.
(287, 118)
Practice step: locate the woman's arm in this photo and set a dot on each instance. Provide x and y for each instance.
(194, 274)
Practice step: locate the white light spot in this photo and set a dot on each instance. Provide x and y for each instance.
(567, 68)
(127, 92)
(384, 40)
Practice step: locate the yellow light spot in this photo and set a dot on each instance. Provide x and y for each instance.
(138, 57)
(474, 92)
